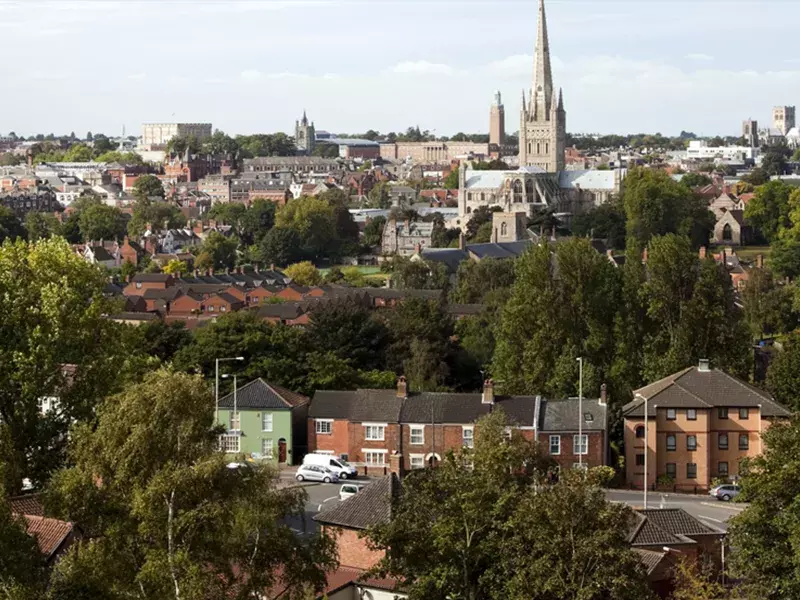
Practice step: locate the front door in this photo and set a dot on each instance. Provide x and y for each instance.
(281, 450)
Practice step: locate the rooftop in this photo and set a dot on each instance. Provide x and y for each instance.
(370, 507)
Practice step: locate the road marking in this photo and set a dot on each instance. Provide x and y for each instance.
(319, 508)
(710, 519)
(723, 505)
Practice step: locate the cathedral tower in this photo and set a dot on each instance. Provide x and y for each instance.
(543, 129)
(305, 136)
(497, 121)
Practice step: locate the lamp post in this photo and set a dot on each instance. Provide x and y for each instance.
(235, 403)
(216, 383)
(580, 412)
(646, 446)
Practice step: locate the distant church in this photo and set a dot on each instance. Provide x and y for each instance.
(541, 181)
(304, 136)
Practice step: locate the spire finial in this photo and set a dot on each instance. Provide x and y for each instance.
(542, 91)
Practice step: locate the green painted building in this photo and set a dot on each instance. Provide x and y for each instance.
(269, 423)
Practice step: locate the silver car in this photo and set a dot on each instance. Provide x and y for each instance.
(316, 473)
(725, 492)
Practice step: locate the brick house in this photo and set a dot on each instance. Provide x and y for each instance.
(368, 427)
(141, 282)
(222, 303)
(701, 423)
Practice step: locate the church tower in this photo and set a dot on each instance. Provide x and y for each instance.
(305, 136)
(497, 121)
(543, 120)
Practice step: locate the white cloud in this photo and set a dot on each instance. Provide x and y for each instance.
(700, 57)
(512, 66)
(422, 67)
(137, 76)
(331, 76)
(251, 75)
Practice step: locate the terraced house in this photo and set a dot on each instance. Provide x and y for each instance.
(263, 422)
(701, 423)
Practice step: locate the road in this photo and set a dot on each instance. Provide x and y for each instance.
(711, 512)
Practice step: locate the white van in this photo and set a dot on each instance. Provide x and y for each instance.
(335, 464)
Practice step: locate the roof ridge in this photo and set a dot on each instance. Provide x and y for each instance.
(742, 385)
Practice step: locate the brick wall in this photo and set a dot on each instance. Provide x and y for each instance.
(353, 551)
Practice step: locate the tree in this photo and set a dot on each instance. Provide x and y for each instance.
(10, 226)
(181, 144)
(773, 163)
(155, 214)
(21, 564)
(487, 531)
(159, 339)
(765, 532)
(756, 177)
(220, 250)
(559, 308)
(607, 221)
(785, 258)
(796, 155)
(78, 153)
(41, 225)
(743, 187)
(148, 186)
(349, 332)
(767, 305)
(45, 327)
(304, 273)
(313, 220)
(176, 267)
(379, 196)
(7, 159)
(451, 181)
(783, 374)
(476, 280)
(170, 511)
(480, 216)
(101, 222)
(695, 581)
(693, 180)
(281, 247)
(123, 158)
(769, 210)
(220, 144)
(256, 221)
(417, 274)
(373, 231)
(101, 144)
(441, 236)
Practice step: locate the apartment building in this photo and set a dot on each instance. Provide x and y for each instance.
(374, 428)
(701, 423)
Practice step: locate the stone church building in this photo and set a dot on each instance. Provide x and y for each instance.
(541, 181)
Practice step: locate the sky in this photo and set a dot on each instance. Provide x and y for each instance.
(252, 66)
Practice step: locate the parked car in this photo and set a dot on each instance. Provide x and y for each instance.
(316, 473)
(339, 466)
(348, 490)
(725, 492)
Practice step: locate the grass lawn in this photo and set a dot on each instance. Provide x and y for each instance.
(371, 273)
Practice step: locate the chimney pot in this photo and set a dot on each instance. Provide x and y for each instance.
(488, 392)
(704, 365)
(402, 387)
(603, 394)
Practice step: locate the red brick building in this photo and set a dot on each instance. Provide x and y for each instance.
(368, 427)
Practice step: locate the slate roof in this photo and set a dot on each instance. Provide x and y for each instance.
(693, 388)
(562, 415)
(101, 254)
(587, 180)
(650, 558)
(500, 250)
(381, 406)
(261, 394)
(666, 527)
(449, 257)
(370, 507)
(284, 310)
(167, 294)
(151, 277)
(50, 534)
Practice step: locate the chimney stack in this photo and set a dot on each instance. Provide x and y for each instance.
(702, 252)
(462, 241)
(402, 387)
(488, 392)
(644, 256)
(494, 235)
(760, 261)
(603, 395)
(704, 366)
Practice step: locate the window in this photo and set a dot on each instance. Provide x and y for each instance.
(744, 442)
(722, 441)
(467, 437)
(417, 461)
(580, 444)
(266, 422)
(671, 442)
(640, 460)
(138, 285)
(210, 309)
(672, 470)
(722, 469)
(722, 412)
(744, 414)
(555, 444)
(374, 459)
(229, 443)
(671, 414)
(235, 421)
(691, 442)
(266, 448)
(691, 414)
(640, 431)
(374, 432)
(324, 426)
(691, 470)
(417, 435)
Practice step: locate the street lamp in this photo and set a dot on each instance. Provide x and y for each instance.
(580, 413)
(646, 447)
(216, 383)
(235, 411)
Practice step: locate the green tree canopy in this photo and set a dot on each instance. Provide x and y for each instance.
(281, 247)
(769, 210)
(170, 515)
(10, 226)
(476, 279)
(783, 374)
(101, 222)
(313, 220)
(220, 250)
(607, 221)
(147, 186)
(373, 231)
(304, 273)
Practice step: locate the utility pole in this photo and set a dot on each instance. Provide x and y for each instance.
(580, 412)
(646, 445)
(216, 384)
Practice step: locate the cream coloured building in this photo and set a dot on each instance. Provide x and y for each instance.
(155, 135)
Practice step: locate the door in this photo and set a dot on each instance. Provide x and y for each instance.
(281, 450)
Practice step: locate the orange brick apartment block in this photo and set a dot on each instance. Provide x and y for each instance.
(701, 423)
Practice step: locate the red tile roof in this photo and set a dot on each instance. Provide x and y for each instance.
(50, 534)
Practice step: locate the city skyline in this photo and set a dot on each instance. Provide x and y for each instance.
(253, 66)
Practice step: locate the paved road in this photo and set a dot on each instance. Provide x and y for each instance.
(712, 512)
(709, 511)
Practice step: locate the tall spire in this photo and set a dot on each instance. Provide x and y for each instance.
(542, 90)
(305, 118)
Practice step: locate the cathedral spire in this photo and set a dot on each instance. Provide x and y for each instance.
(542, 91)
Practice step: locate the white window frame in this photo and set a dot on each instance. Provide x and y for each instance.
(371, 453)
(267, 449)
(557, 440)
(371, 431)
(235, 418)
(417, 431)
(419, 459)
(580, 444)
(267, 420)
(328, 424)
(468, 441)
(225, 445)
